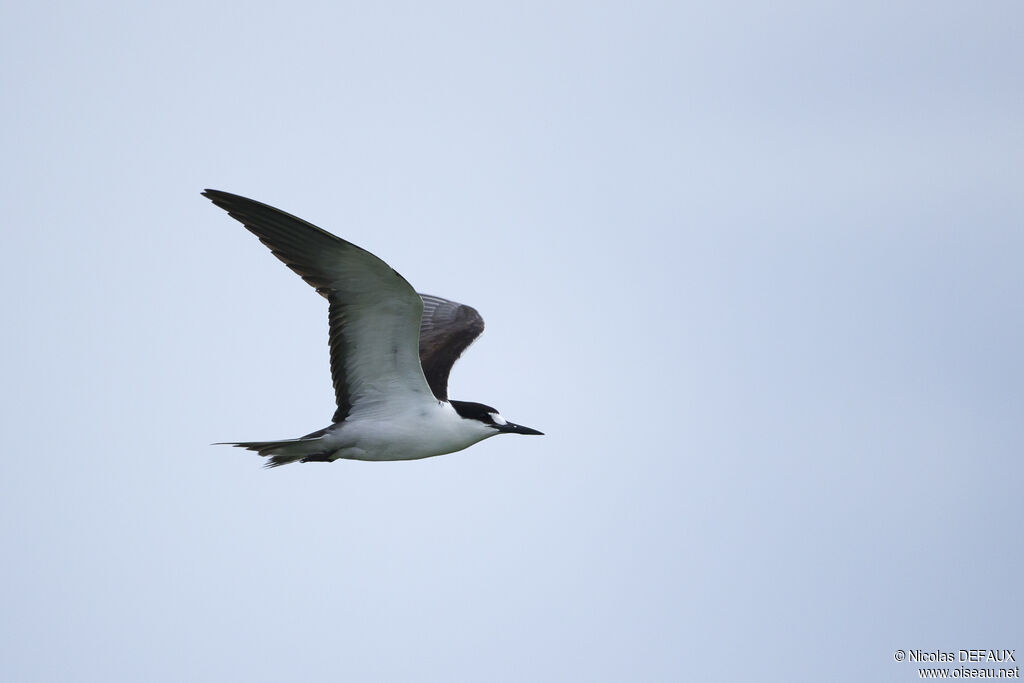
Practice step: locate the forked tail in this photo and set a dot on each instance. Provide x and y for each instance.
(285, 452)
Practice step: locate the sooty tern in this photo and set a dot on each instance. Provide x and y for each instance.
(391, 351)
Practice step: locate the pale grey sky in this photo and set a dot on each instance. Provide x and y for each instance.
(755, 269)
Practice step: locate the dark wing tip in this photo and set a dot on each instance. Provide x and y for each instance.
(228, 200)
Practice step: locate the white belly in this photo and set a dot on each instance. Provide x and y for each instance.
(390, 432)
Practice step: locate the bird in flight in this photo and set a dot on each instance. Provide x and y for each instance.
(391, 351)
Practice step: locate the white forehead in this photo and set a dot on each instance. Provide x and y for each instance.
(498, 419)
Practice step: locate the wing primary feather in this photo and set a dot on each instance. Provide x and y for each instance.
(446, 331)
(374, 313)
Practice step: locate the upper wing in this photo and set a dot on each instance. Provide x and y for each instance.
(374, 313)
(446, 330)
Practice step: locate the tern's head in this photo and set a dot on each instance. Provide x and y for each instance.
(490, 417)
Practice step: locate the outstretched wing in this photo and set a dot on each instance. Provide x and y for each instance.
(446, 329)
(374, 313)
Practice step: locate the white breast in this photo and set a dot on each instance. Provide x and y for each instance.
(406, 431)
